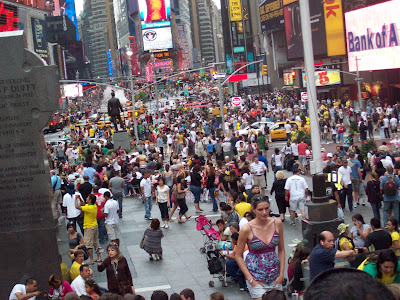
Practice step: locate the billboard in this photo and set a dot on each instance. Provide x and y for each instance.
(39, 38)
(73, 90)
(334, 28)
(154, 10)
(294, 40)
(288, 79)
(156, 24)
(271, 14)
(235, 10)
(374, 42)
(324, 78)
(157, 38)
(8, 17)
(165, 66)
(183, 44)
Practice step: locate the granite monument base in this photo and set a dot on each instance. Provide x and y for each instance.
(311, 231)
(121, 139)
(322, 211)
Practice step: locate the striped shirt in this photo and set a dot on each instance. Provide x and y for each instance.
(258, 168)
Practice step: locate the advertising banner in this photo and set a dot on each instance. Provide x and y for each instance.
(324, 78)
(288, 79)
(235, 10)
(8, 17)
(154, 10)
(294, 39)
(157, 38)
(148, 69)
(271, 14)
(334, 27)
(39, 38)
(372, 37)
(183, 44)
(165, 65)
(287, 2)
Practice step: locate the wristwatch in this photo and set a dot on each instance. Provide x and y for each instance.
(251, 281)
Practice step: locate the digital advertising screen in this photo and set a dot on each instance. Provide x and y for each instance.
(324, 78)
(8, 17)
(373, 43)
(154, 10)
(73, 90)
(157, 38)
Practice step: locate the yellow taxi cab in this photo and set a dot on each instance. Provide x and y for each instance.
(82, 124)
(104, 122)
(278, 131)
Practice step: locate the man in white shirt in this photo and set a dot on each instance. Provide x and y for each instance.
(226, 147)
(393, 124)
(111, 211)
(345, 173)
(27, 291)
(78, 285)
(288, 129)
(298, 188)
(147, 192)
(71, 211)
(258, 169)
(386, 127)
(295, 149)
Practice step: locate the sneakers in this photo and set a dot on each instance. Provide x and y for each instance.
(354, 205)
(363, 204)
(162, 226)
(148, 218)
(292, 223)
(157, 257)
(151, 257)
(166, 226)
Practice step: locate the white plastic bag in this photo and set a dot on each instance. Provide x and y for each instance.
(340, 213)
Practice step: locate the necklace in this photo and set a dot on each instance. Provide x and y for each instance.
(115, 267)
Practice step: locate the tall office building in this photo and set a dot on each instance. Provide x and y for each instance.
(202, 32)
(99, 36)
(184, 37)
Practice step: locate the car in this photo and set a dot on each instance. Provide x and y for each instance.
(82, 124)
(278, 131)
(258, 126)
(104, 122)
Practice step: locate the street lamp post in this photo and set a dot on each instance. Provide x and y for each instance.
(129, 54)
(153, 59)
(358, 79)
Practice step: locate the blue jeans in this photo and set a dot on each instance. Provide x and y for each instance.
(375, 209)
(102, 230)
(148, 202)
(390, 205)
(119, 198)
(212, 195)
(236, 274)
(340, 137)
(128, 187)
(196, 191)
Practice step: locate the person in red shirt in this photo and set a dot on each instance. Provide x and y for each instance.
(302, 155)
(100, 202)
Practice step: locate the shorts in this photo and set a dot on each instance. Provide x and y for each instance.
(258, 291)
(302, 160)
(297, 204)
(112, 231)
(259, 180)
(356, 184)
(91, 237)
(58, 197)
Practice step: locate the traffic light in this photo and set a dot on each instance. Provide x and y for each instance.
(264, 70)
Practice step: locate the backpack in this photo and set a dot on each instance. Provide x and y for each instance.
(390, 188)
(250, 149)
(337, 247)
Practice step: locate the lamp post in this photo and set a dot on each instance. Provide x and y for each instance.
(153, 59)
(129, 53)
(358, 79)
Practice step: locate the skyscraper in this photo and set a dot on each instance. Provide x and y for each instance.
(98, 35)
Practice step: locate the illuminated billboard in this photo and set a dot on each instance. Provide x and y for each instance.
(373, 43)
(271, 14)
(154, 10)
(324, 78)
(8, 17)
(157, 38)
(73, 90)
(288, 79)
(40, 38)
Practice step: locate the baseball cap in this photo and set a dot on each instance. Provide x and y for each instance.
(342, 228)
(329, 155)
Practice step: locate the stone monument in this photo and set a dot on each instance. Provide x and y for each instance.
(29, 93)
(322, 214)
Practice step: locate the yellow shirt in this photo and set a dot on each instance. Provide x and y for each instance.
(396, 237)
(91, 132)
(90, 217)
(180, 138)
(74, 272)
(242, 208)
(326, 114)
(344, 240)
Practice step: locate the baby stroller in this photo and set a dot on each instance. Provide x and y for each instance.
(217, 266)
(210, 235)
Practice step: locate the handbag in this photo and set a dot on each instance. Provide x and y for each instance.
(124, 287)
(143, 241)
(179, 196)
(173, 199)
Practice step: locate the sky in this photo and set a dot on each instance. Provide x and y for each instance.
(79, 6)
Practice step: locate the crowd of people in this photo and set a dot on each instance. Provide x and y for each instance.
(183, 157)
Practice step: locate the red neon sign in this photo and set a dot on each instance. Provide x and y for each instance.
(8, 17)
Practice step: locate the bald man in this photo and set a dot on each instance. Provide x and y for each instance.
(323, 255)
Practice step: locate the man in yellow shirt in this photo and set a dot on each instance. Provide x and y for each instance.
(242, 207)
(90, 227)
(78, 262)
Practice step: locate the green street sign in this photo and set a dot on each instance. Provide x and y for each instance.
(160, 87)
